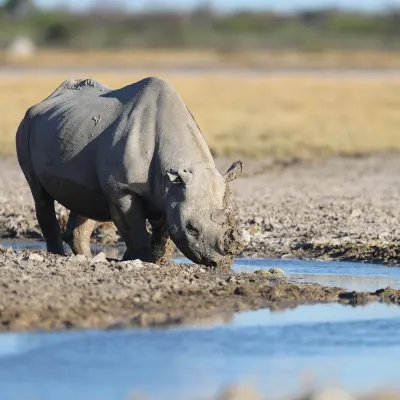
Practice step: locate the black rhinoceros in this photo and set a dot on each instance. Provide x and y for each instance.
(129, 155)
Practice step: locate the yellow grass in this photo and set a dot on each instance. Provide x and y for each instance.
(254, 116)
(263, 59)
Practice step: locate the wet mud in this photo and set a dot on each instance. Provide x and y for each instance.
(40, 291)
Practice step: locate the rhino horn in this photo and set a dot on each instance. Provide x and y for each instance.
(234, 171)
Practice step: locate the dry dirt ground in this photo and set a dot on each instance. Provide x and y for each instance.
(42, 291)
(343, 209)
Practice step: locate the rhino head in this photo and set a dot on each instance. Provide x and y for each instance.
(199, 220)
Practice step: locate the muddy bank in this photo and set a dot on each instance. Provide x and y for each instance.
(339, 209)
(42, 291)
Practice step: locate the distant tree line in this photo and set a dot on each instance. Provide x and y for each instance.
(202, 27)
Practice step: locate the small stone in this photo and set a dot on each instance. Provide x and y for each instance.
(276, 271)
(332, 394)
(131, 264)
(239, 392)
(383, 235)
(356, 213)
(286, 256)
(258, 220)
(101, 257)
(137, 263)
(78, 258)
(261, 272)
(156, 296)
(35, 257)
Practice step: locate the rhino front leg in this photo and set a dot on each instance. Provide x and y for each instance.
(161, 244)
(78, 233)
(129, 216)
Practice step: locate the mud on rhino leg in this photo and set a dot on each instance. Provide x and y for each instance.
(129, 216)
(78, 233)
(161, 244)
(46, 216)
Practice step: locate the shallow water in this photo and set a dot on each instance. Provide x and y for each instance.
(356, 348)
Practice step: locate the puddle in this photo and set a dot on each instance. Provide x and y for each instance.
(347, 275)
(354, 347)
(109, 251)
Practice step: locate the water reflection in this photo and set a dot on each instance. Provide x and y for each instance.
(272, 349)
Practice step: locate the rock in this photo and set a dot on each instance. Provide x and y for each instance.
(332, 394)
(356, 213)
(276, 271)
(35, 257)
(101, 257)
(157, 296)
(258, 220)
(131, 264)
(239, 392)
(383, 235)
(261, 272)
(268, 227)
(78, 258)
(286, 256)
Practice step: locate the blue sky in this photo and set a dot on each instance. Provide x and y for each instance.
(232, 4)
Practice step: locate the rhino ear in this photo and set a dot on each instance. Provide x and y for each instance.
(179, 176)
(234, 171)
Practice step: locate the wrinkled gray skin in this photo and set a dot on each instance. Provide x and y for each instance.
(128, 155)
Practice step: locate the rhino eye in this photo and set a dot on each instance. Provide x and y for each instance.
(192, 230)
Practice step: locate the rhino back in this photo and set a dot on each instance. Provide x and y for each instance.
(86, 135)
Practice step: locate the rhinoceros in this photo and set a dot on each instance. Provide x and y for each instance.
(129, 155)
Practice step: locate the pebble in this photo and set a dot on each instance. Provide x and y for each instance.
(35, 257)
(383, 235)
(332, 394)
(276, 271)
(258, 220)
(101, 257)
(286, 256)
(78, 258)
(131, 264)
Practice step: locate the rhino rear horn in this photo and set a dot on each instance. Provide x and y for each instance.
(234, 171)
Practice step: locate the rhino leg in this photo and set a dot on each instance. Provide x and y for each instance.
(78, 232)
(46, 216)
(44, 203)
(130, 218)
(161, 244)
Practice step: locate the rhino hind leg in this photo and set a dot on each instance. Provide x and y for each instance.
(161, 244)
(46, 216)
(78, 233)
(129, 217)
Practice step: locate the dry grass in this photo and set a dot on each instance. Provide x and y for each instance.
(363, 59)
(277, 116)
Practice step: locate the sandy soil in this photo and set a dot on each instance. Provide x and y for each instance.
(340, 209)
